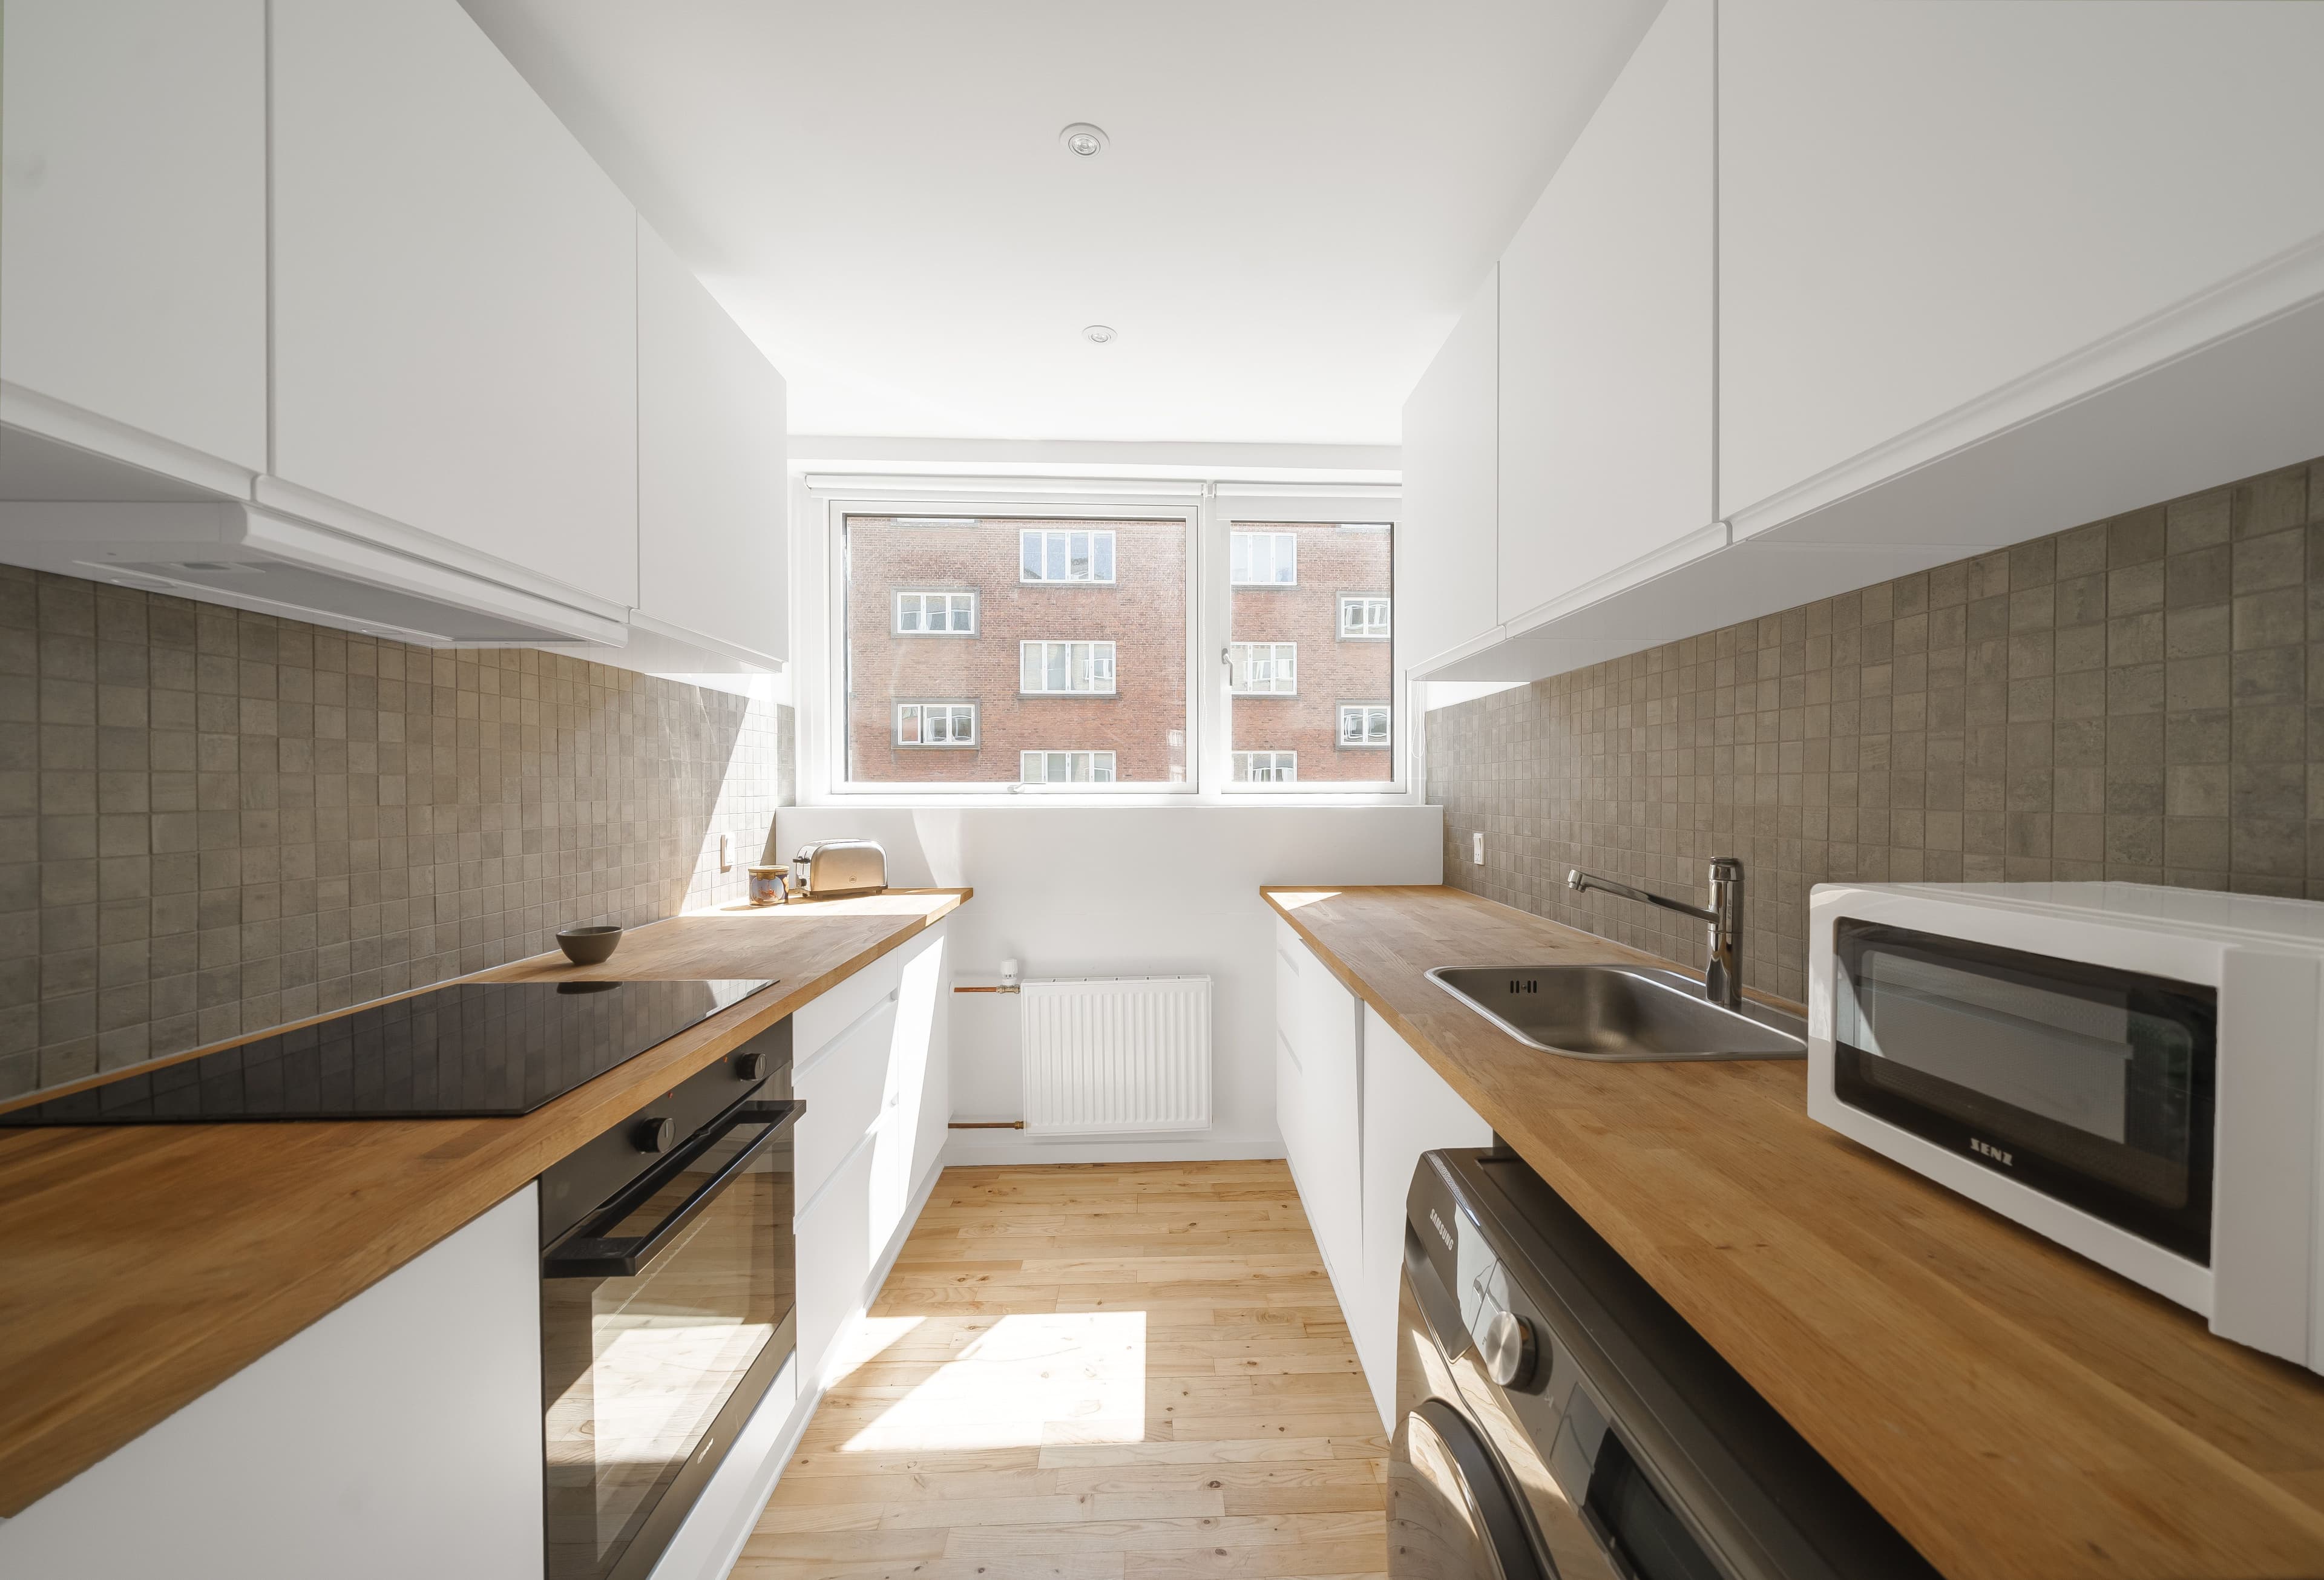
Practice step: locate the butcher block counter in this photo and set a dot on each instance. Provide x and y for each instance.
(140, 1266)
(2012, 1409)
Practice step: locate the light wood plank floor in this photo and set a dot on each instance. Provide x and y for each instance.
(1104, 1372)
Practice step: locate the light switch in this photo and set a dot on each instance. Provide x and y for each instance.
(727, 852)
(1480, 856)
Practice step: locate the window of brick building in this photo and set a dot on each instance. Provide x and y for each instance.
(1056, 554)
(1263, 559)
(1362, 618)
(1297, 648)
(1020, 687)
(1065, 767)
(936, 723)
(1364, 724)
(1266, 767)
(1066, 669)
(1263, 669)
(936, 614)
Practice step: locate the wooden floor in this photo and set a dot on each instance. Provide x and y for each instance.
(1087, 1371)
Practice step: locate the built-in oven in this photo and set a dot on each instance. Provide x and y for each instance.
(667, 1285)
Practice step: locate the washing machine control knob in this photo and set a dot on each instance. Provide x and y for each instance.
(1508, 1350)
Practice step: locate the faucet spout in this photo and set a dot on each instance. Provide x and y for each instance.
(1722, 973)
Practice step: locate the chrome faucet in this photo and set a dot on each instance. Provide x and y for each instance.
(1722, 975)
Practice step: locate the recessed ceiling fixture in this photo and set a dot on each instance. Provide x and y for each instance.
(1098, 334)
(1082, 139)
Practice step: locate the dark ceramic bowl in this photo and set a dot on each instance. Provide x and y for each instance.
(588, 946)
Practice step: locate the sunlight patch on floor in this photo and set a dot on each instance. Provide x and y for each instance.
(1067, 1377)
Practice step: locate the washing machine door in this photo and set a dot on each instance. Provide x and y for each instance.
(1451, 1515)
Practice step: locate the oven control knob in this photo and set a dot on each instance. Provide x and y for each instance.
(653, 1136)
(1508, 1350)
(750, 1065)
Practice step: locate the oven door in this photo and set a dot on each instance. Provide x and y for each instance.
(666, 1315)
(2090, 1084)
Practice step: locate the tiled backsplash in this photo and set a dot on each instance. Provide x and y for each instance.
(2126, 700)
(212, 822)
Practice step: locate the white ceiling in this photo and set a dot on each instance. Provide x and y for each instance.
(1298, 197)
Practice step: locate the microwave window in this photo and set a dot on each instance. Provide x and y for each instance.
(2080, 1080)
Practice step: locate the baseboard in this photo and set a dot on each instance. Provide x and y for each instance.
(971, 1149)
(731, 1505)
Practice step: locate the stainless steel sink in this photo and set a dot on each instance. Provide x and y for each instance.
(1619, 1013)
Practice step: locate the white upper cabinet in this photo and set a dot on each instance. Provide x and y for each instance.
(1605, 444)
(455, 336)
(1445, 553)
(711, 488)
(132, 230)
(1937, 220)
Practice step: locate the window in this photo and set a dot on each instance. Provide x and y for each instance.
(1264, 559)
(936, 723)
(936, 614)
(937, 611)
(1065, 767)
(1066, 669)
(1334, 621)
(1064, 555)
(1263, 669)
(1266, 767)
(1362, 618)
(1364, 724)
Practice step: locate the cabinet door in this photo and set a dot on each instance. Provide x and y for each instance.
(1923, 204)
(455, 296)
(914, 1051)
(1607, 337)
(1445, 538)
(132, 218)
(835, 1253)
(710, 485)
(1329, 1057)
(846, 1091)
(1409, 1109)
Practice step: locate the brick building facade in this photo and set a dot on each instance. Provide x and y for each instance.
(985, 651)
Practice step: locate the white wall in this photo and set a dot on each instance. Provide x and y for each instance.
(1125, 891)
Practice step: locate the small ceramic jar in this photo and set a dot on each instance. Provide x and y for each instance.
(767, 885)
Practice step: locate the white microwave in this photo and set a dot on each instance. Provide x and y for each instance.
(2129, 1069)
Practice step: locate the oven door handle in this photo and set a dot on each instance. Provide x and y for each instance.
(583, 1255)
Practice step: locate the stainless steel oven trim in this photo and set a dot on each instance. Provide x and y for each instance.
(580, 1255)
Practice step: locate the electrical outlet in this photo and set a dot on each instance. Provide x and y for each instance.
(725, 852)
(1478, 849)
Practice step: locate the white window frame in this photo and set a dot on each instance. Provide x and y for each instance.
(1112, 557)
(1069, 689)
(1045, 781)
(1276, 539)
(896, 610)
(817, 677)
(1364, 711)
(1274, 657)
(1238, 767)
(918, 707)
(1364, 600)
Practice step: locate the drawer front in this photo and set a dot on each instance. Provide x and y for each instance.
(834, 1256)
(845, 1090)
(817, 1022)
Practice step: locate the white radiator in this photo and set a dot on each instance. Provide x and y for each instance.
(1108, 1054)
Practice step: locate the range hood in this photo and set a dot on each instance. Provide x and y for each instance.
(251, 558)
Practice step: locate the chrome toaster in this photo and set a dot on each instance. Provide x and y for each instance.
(839, 866)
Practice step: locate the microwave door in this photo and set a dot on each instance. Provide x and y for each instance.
(664, 1318)
(2091, 1084)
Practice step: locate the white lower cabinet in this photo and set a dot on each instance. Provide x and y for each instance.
(1409, 1109)
(400, 1435)
(869, 1061)
(1357, 1107)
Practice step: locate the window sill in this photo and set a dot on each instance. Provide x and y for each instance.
(1263, 696)
(1025, 697)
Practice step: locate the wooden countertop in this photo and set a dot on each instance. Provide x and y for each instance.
(140, 1266)
(2012, 1409)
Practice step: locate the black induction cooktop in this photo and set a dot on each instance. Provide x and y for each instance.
(471, 1050)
